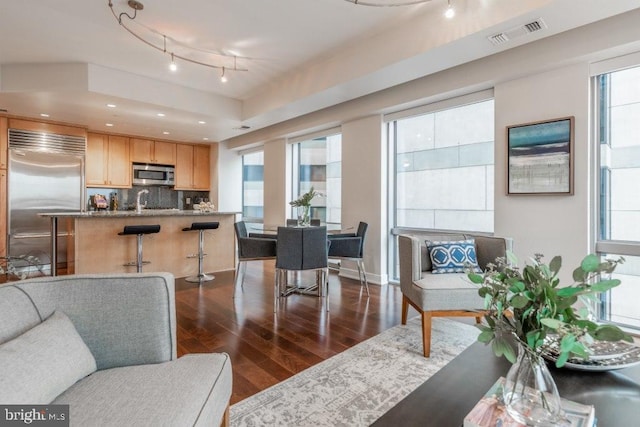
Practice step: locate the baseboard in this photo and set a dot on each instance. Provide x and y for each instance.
(373, 279)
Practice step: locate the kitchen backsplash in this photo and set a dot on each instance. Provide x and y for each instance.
(158, 197)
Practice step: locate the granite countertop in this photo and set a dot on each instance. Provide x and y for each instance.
(125, 214)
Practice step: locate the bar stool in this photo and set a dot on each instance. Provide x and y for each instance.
(139, 231)
(200, 227)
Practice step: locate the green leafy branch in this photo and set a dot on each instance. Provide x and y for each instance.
(305, 199)
(531, 306)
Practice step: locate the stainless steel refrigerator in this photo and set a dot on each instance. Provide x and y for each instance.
(46, 174)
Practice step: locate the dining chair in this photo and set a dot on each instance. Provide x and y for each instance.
(350, 246)
(251, 249)
(301, 249)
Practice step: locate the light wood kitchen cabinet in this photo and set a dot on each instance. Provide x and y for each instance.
(3, 212)
(184, 167)
(108, 161)
(148, 151)
(201, 167)
(4, 144)
(192, 167)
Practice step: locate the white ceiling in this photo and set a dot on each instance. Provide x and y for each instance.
(70, 58)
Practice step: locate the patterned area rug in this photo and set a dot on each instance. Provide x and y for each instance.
(357, 386)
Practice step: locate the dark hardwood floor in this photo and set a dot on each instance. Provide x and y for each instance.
(267, 348)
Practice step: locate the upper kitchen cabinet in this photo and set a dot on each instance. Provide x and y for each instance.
(4, 135)
(201, 167)
(108, 161)
(192, 167)
(148, 151)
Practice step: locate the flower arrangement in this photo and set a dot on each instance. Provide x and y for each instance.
(305, 199)
(530, 306)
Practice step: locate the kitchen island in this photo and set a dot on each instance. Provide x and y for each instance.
(94, 245)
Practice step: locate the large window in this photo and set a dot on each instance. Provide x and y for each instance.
(444, 169)
(619, 189)
(318, 163)
(253, 187)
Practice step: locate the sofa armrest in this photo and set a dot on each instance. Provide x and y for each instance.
(410, 260)
(125, 319)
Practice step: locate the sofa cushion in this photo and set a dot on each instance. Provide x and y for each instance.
(447, 292)
(193, 390)
(424, 253)
(453, 256)
(43, 362)
(488, 249)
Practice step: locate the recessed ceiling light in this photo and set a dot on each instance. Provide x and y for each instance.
(205, 139)
(202, 122)
(44, 115)
(109, 124)
(165, 133)
(111, 105)
(161, 114)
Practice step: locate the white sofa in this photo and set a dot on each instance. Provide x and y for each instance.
(106, 346)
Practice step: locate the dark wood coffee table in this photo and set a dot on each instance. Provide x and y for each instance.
(448, 396)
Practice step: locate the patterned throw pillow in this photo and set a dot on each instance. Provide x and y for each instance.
(453, 257)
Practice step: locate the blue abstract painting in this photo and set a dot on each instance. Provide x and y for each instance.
(540, 157)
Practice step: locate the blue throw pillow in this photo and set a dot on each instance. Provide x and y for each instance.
(453, 257)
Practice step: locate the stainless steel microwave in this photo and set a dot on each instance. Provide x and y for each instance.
(146, 174)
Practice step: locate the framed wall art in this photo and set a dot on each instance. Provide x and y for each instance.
(540, 157)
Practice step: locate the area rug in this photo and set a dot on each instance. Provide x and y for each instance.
(357, 386)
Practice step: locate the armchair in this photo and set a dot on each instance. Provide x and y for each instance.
(350, 246)
(441, 295)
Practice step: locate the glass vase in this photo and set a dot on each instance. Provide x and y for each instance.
(530, 394)
(304, 216)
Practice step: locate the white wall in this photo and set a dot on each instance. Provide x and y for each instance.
(276, 175)
(364, 191)
(229, 188)
(551, 225)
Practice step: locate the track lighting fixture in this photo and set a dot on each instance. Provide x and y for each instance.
(147, 39)
(386, 3)
(450, 12)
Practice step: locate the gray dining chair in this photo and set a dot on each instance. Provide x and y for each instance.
(301, 249)
(251, 249)
(350, 246)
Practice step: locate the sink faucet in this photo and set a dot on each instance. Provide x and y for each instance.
(138, 205)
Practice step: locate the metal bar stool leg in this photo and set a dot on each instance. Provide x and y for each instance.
(139, 261)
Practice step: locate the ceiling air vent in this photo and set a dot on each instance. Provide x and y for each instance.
(536, 25)
(522, 30)
(499, 38)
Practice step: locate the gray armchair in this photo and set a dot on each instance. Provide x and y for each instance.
(301, 249)
(124, 327)
(350, 246)
(251, 248)
(441, 295)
